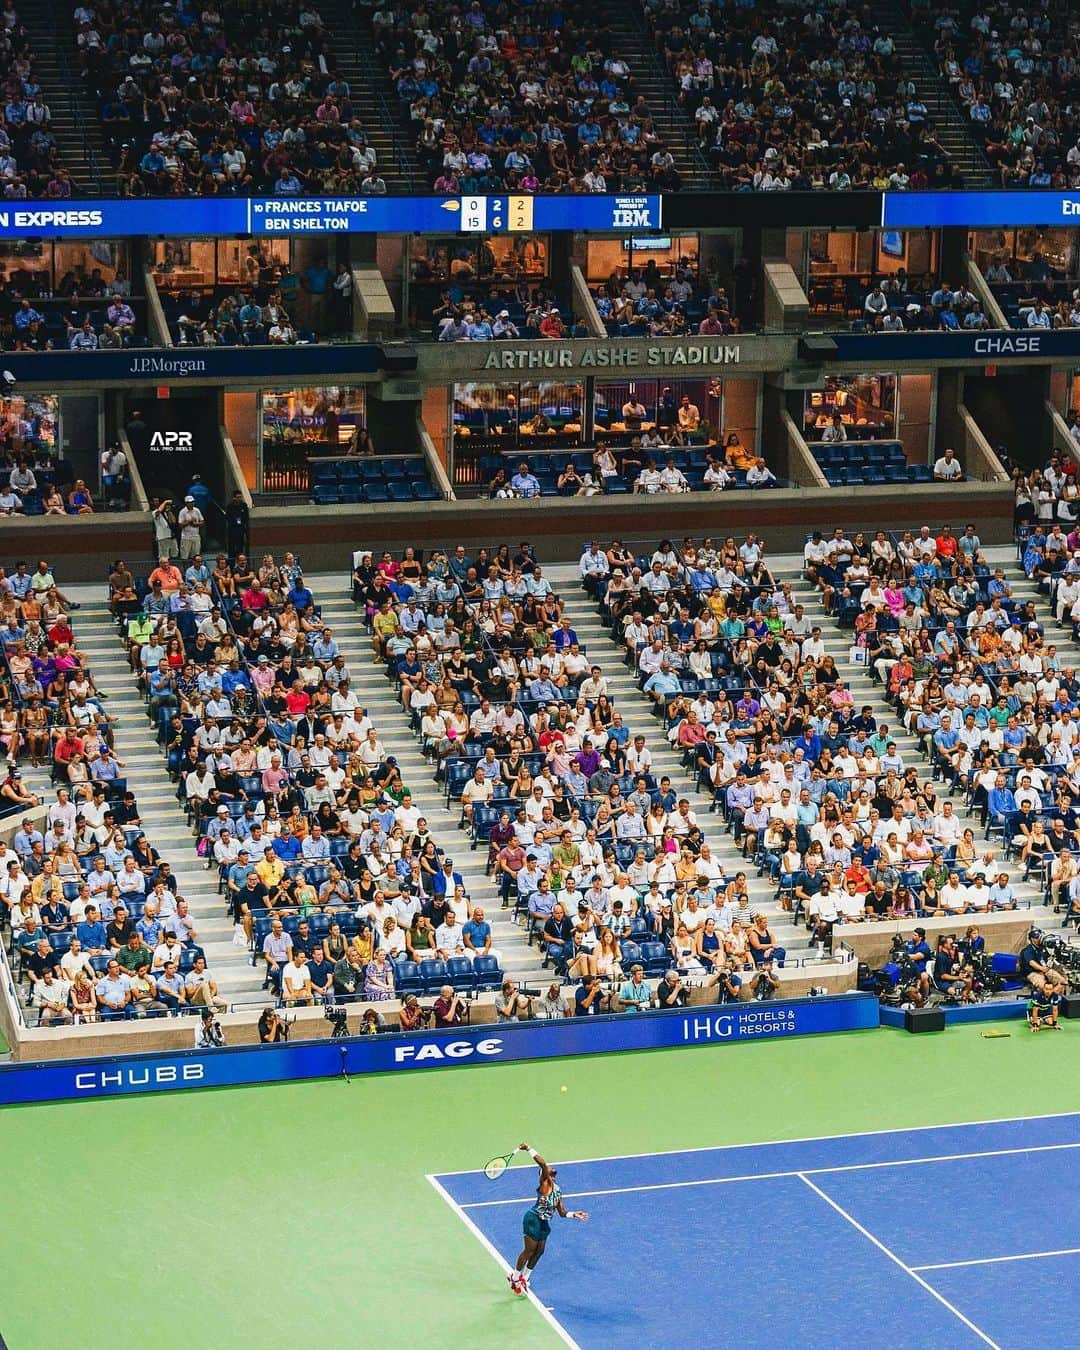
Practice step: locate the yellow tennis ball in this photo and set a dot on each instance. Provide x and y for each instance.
(563, 1088)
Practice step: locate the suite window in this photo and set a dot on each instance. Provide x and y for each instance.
(867, 405)
(465, 261)
(619, 257)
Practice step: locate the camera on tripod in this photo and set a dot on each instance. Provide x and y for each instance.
(338, 1019)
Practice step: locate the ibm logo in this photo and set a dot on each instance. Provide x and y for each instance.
(171, 440)
(631, 218)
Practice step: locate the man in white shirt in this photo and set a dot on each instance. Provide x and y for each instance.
(947, 468)
(296, 980)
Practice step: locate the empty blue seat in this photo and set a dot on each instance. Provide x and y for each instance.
(433, 975)
(459, 971)
(407, 978)
(376, 492)
(655, 957)
(486, 973)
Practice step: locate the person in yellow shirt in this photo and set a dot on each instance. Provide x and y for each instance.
(271, 870)
(736, 455)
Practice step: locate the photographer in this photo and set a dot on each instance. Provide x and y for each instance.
(671, 992)
(588, 997)
(412, 1017)
(511, 1005)
(208, 1034)
(449, 1009)
(272, 1030)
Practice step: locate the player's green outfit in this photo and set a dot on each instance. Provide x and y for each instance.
(537, 1221)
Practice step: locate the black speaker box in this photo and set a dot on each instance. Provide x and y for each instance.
(816, 348)
(398, 360)
(1070, 1005)
(924, 1019)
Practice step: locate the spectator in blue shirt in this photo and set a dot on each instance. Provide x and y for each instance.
(113, 992)
(91, 933)
(476, 935)
(525, 483)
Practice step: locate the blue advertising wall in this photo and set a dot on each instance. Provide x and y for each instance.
(161, 365)
(931, 210)
(496, 1042)
(981, 347)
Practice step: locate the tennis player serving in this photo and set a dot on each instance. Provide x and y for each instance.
(536, 1224)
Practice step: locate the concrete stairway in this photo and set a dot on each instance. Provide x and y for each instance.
(951, 125)
(79, 140)
(631, 40)
(865, 691)
(377, 696)
(372, 95)
(162, 815)
(637, 715)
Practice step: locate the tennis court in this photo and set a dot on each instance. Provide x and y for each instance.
(962, 1234)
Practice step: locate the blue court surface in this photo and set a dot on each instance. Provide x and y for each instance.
(959, 1235)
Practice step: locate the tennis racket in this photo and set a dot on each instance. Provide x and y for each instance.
(497, 1166)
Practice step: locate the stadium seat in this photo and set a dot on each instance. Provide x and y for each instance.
(433, 975)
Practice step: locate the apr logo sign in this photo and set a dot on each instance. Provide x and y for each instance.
(171, 440)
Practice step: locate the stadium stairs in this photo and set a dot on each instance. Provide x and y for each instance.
(520, 961)
(951, 126)
(79, 141)
(601, 650)
(866, 691)
(372, 96)
(163, 818)
(631, 40)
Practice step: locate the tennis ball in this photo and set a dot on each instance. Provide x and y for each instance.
(563, 1088)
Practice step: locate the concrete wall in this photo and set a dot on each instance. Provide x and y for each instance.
(556, 525)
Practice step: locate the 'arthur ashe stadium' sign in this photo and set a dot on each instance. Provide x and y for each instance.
(540, 356)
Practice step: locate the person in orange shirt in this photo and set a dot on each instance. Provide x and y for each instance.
(947, 548)
(171, 577)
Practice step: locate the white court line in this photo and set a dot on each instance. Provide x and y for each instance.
(896, 1260)
(493, 1251)
(773, 1176)
(996, 1260)
(805, 1139)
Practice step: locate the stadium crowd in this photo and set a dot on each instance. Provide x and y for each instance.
(787, 100)
(327, 867)
(97, 927)
(29, 165)
(227, 100)
(1012, 72)
(532, 99)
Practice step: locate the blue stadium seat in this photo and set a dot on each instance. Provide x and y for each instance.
(486, 973)
(433, 975)
(459, 971)
(407, 978)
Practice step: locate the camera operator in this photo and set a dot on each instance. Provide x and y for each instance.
(272, 1030)
(917, 950)
(952, 977)
(589, 997)
(208, 1034)
(1036, 969)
